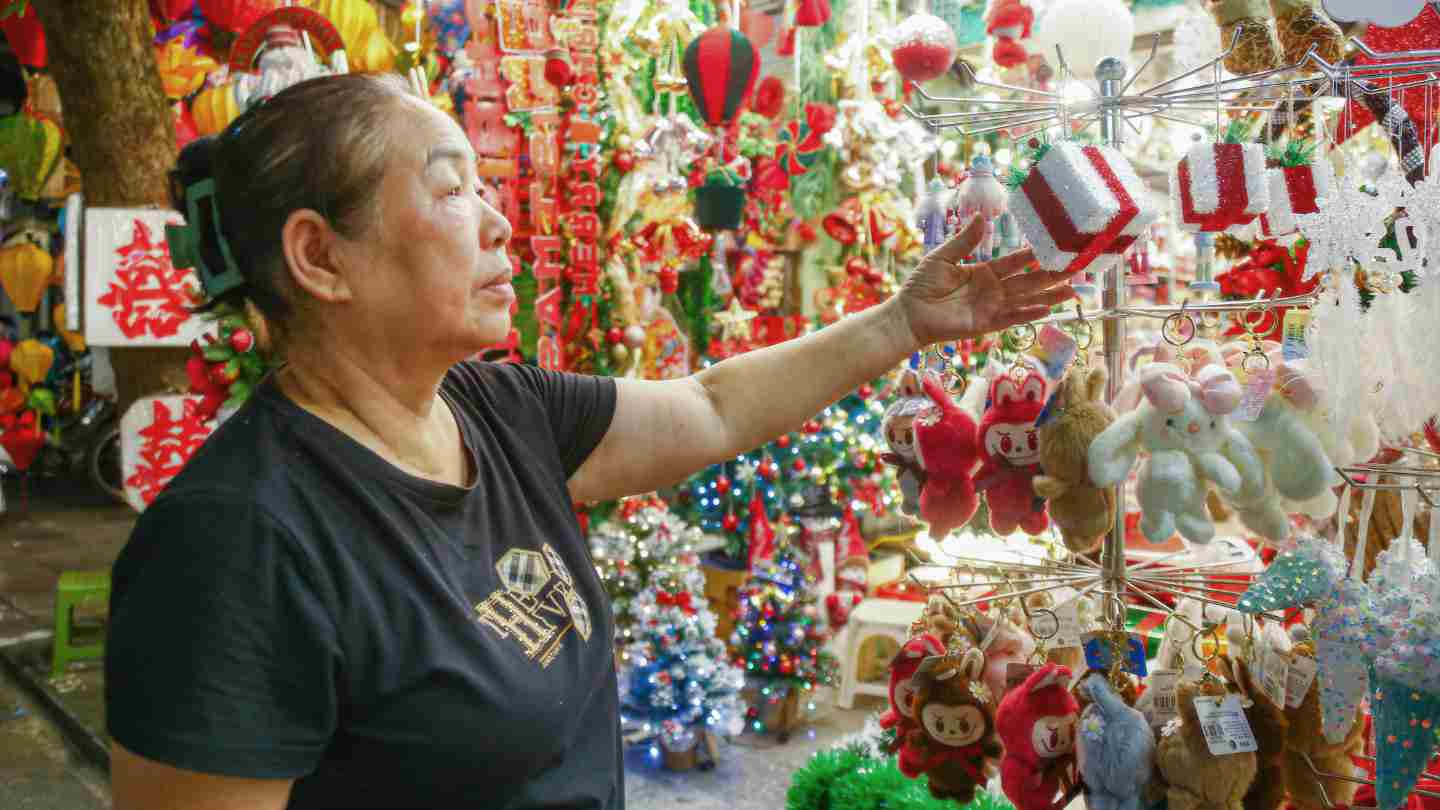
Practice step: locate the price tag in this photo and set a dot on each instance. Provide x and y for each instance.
(1224, 724)
(1300, 676)
(1067, 635)
(1099, 649)
(1257, 385)
(1164, 696)
(1274, 673)
(1055, 350)
(1293, 345)
(1016, 673)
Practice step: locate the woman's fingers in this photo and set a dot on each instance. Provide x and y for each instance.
(1027, 283)
(1012, 263)
(960, 245)
(1049, 297)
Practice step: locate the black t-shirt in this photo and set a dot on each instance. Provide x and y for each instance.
(294, 606)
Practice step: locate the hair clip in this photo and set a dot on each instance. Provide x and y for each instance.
(184, 242)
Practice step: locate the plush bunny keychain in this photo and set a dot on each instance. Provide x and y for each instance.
(1010, 444)
(945, 446)
(1076, 414)
(1036, 722)
(1182, 423)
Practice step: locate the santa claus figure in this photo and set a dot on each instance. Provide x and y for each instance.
(852, 574)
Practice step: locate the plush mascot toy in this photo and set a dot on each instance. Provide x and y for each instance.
(1036, 723)
(853, 574)
(946, 448)
(1010, 443)
(1114, 749)
(955, 721)
(900, 715)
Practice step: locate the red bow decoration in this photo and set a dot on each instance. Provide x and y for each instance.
(1271, 268)
(681, 600)
(820, 117)
(22, 438)
(676, 240)
(769, 97)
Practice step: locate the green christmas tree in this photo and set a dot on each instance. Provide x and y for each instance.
(643, 545)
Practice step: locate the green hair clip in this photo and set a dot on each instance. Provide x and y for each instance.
(184, 242)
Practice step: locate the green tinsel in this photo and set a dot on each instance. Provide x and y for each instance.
(844, 779)
(524, 318)
(699, 299)
(1237, 131)
(1295, 152)
(1028, 158)
(813, 193)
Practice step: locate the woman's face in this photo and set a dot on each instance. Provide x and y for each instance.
(434, 275)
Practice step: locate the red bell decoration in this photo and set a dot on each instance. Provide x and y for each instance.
(925, 48)
(557, 67)
(26, 38)
(812, 13)
(787, 43)
(769, 97)
(234, 15)
(721, 67)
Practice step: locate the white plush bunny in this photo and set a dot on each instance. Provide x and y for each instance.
(1182, 423)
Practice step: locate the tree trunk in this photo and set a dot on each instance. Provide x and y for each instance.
(121, 132)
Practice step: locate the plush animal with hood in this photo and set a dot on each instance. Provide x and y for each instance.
(902, 668)
(1010, 443)
(1182, 423)
(1305, 737)
(1115, 749)
(1036, 722)
(898, 429)
(945, 446)
(1077, 413)
(1001, 641)
(956, 734)
(1195, 778)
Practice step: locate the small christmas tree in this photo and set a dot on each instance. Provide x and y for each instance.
(676, 683)
(644, 545)
(778, 635)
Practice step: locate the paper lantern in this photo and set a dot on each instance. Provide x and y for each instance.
(182, 69)
(185, 129)
(234, 15)
(354, 19)
(1078, 200)
(214, 109)
(1087, 31)
(376, 54)
(26, 38)
(31, 361)
(74, 340)
(30, 149)
(721, 66)
(25, 272)
(22, 438)
(447, 19)
(925, 48)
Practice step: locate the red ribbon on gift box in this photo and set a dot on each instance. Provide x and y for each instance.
(1062, 229)
(1230, 178)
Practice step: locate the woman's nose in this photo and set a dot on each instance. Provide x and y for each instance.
(494, 228)
(1194, 427)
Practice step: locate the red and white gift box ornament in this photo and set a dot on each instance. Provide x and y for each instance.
(1077, 202)
(1295, 190)
(1219, 185)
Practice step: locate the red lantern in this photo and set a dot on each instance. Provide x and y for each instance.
(812, 13)
(22, 438)
(769, 97)
(234, 15)
(557, 67)
(26, 38)
(926, 48)
(721, 66)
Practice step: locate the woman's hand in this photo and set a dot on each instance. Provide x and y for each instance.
(943, 300)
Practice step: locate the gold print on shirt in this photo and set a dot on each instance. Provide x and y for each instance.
(538, 604)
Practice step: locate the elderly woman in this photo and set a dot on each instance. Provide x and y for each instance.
(369, 587)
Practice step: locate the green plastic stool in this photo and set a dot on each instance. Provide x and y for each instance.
(74, 589)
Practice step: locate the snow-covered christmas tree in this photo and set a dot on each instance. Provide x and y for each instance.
(642, 545)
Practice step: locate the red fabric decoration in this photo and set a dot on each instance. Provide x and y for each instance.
(681, 600)
(820, 117)
(185, 130)
(172, 10)
(1421, 32)
(22, 438)
(787, 43)
(812, 13)
(1058, 224)
(557, 69)
(203, 384)
(762, 535)
(1271, 268)
(769, 97)
(26, 38)
(234, 15)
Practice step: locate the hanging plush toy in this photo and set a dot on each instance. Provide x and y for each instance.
(1036, 722)
(900, 716)
(1304, 738)
(1011, 447)
(898, 428)
(1001, 641)
(1182, 423)
(1268, 724)
(1114, 749)
(852, 573)
(945, 445)
(1075, 416)
(1009, 21)
(1196, 778)
(956, 734)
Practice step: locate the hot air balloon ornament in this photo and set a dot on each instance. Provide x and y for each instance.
(721, 68)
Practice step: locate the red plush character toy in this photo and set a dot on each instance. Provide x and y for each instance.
(1011, 445)
(900, 716)
(1009, 22)
(853, 574)
(946, 446)
(1036, 723)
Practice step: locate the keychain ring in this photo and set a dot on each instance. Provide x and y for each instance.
(1195, 649)
(1044, 624)
(1256, 327)
(1171, 329)
(1026, 329)
(1255, 361)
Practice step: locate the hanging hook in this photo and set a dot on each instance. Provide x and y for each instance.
(1170, 329)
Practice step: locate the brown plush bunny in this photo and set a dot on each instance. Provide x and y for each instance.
(1268, 723)
(1196, 778)
(1305, 736)
(1082, 511)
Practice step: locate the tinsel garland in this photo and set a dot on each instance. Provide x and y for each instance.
(846, 779)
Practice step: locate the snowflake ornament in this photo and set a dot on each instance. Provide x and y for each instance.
(1343, 230)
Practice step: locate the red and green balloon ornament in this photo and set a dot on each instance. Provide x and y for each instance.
(721, 67)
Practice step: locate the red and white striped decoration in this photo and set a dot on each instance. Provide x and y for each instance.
(1295, 190)
(1077, 202)
(1217, 186)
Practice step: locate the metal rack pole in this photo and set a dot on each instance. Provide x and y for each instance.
(1111, 74)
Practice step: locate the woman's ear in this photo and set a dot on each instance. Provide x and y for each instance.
(310, 246)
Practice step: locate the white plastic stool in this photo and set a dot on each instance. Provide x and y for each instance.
(873, 617)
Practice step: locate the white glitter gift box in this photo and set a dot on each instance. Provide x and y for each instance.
(1295, 190)
(1219, 185)
(1080, 202)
